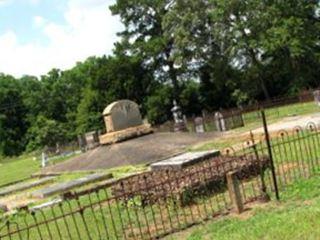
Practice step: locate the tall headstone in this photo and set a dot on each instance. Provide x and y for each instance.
(179, 121)
(199, 125)
(121, 115)
(220, 122)
(123, 121)
(317, 97)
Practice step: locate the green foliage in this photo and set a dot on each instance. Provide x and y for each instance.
(159, 104)
(45, 132)
(12, 116)
(205, 54)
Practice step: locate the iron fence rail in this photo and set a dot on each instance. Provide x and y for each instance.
(152, 205)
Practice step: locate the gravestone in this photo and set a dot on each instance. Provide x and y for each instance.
(123, 121)
(184, 160)
(24, 186)
(179, 119)
(121, 115)
(92, 140)
(199, 125)
(228, 120)
(66, 186)
(316, 95)
(220, 122)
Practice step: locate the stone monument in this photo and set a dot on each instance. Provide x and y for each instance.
(199, 125)
(179, 121)
(92, 139)
(220, 122)
(228, 120)
(123, 121)
(316, 95)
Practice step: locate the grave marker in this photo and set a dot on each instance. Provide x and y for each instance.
(24, 186)
(199, 125)
(63, 187)
(123, 121)
(121, 115)
(184, 160)
(316, 95)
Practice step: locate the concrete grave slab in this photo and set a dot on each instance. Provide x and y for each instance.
(184, 160)
(24, 186)
(64, 187)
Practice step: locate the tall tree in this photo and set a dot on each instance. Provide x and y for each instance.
(250, 35)
(12, 117)
(144, 36)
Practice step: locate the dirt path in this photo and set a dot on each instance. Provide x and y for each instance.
(290, 123)
(143, 150)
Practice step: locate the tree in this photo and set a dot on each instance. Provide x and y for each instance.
(45, 132)
(144, 37)
(259, 31)
(12, 117)
(249, 36)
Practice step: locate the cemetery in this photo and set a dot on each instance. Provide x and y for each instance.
(174, 182)
(159, 120)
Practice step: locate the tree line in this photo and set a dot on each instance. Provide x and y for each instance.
(207, 54)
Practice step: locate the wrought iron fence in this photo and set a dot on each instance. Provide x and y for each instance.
(246, 115)
(153, 204)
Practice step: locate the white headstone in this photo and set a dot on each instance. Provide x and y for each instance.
(121, 115)
(317, 97)
(199, 125)
(220, 122)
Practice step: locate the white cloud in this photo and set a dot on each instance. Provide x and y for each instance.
(89, 30)
(34, 2)
(39, 21)
(4, 2)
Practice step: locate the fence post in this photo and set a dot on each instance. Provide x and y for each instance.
(234, 192)
(265, 196)
(266, 132)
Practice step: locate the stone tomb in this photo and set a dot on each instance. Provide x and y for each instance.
(24, 186)
(184, 160)
(123, 121)
(66, 186)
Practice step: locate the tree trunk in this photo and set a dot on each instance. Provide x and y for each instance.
(264, 88)
(174, 80)
(261, 80)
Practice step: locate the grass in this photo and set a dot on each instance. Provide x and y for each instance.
(253, 120)
(15, 169)
(296, 216)
(297, 203)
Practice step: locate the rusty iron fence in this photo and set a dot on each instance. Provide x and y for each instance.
(247, 115)
(151, 205)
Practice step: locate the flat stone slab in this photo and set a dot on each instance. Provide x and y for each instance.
(24, 186)
(64, 187)
(185, 159)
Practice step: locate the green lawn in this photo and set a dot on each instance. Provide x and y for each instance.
(296, 216)
(15, 169)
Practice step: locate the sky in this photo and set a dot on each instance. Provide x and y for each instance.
(38, 35)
